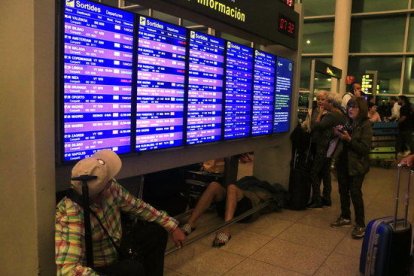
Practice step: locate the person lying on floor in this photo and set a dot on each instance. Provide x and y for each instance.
(234, 200)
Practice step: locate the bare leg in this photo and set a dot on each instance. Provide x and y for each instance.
(214, 192)
(234, 195)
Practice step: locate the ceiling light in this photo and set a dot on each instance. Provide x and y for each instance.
(308, 42)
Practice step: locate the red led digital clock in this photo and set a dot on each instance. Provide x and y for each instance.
(286, 26)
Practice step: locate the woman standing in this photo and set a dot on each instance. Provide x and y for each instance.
(353, 164)
(329, 116)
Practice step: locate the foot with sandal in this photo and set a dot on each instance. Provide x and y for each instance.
(230, 202)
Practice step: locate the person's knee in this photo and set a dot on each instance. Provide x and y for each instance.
(234, 191)
(232, 188)
(215, 190)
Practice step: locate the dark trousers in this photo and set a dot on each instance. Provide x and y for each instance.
(350, 188)
(149, 241)
(321, 170)
(404, 141)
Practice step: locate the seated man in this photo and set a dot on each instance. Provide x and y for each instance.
(233, 201)
(107, 200)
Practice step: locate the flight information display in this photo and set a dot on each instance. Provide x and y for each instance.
(97, 76)
(160, 84)
(284, 75)
(205, 88)
(238, 92)
(263, 93)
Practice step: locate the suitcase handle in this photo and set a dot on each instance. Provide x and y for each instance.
(407, 194)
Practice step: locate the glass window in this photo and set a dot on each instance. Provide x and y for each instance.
(389, 71)
(408, 86)
(410, 46)
(377, 35)
(378, 5)
(318, 7)
(305, 73)
(318, 37)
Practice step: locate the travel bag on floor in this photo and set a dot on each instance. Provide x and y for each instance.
(300, 181)
(387, 243)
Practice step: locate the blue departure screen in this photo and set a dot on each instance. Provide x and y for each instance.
(205, 88)
(238, 94)
(160, 87)
(98, 42)
(284, 75)
(263, 93)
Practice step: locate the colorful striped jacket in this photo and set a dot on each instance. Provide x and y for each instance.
(69, 229)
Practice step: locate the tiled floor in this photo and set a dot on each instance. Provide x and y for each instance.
(289, 242)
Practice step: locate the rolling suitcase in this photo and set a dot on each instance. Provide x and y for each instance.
(387, 243)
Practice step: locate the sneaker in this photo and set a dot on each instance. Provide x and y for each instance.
(358, 232)
(341, 222)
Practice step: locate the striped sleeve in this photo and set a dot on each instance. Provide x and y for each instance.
(68, 240)
(131, 204)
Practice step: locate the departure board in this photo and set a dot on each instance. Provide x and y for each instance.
(263, 93)
(205, 88)
(160, 84)
(97, 76)
(238, 92)
(284, 75)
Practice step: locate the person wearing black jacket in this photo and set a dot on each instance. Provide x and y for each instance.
(405, 144)
(329, 116)
(353, 164)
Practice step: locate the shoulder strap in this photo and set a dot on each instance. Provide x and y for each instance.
(75, 197)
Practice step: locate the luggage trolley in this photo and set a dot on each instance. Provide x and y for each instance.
(383, 152)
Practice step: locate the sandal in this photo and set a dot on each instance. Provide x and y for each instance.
(221, 239)
(187, 229)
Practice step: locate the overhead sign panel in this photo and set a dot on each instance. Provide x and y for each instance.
(262, 19)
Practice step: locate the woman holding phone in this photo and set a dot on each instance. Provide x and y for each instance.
(353, 164)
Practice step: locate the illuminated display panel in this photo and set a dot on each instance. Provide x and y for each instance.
(238, 93)
(263, 93)
(284, 75)
(160, 84)
(205, 88)
(98, 46)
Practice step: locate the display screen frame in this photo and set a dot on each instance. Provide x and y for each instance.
(60, 75)
(288, 109)
(185, 86)
(270, 131)
(236, 97)
(214, 58)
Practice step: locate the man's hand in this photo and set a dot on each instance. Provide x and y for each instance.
(178, 237)
(408, 161)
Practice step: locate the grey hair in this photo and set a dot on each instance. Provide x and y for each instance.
(334, 99)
